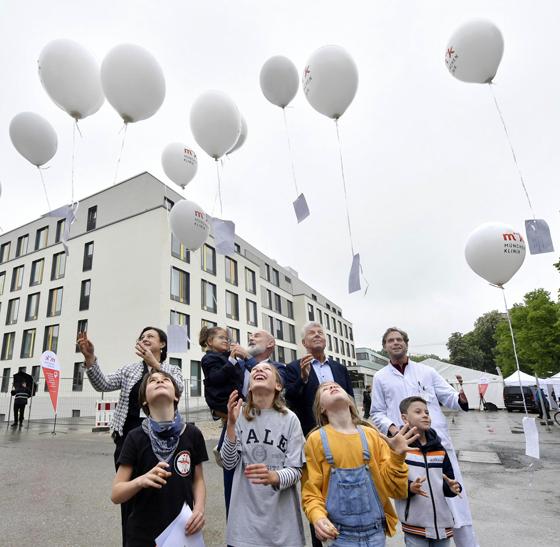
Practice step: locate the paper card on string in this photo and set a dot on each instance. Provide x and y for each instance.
(301, 208)
(531, 437)
(68, 213)
(224, 234)
(354, 277)
(177, 338)
(538, 236)
(174, 535)
(51, 371)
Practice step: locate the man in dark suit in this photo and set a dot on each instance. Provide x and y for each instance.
(304, 375)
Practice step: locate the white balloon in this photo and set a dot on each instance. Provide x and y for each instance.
(189, 223)
(215, 123)
(474, 51)
(242, 136)
(133, 82)
(279, 80)
(495, 251)
(179, 163)
(33, 137)
(70, 76)
(330, 80)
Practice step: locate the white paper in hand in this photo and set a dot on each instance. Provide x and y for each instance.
(224, 234)
(531, 437)
(177, 338)
(354, 277)
(301, 209)
(538, 236)
(174, 535)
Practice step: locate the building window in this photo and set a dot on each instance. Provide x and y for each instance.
(351, 334)
(209, 296)
(250, 281)
(195, 380)
(278, 329)
(363, 356)
(267, 298)
(353, 352)
(327, 321)
(208, 259)
(292, 334)
(347, 349)
(208, 324)
(287, 280)
(50, 342)
(88, 257)
(336, 344)
(179, 285)
(314, 297)
(233, 334)
(176, 362)
(32, 308)
(334, 325)
(168, 204)
(319, 316)
(231, 271)
(342, 347)
(277, 303)
(85, 291)
(82, 327)
(91, 218)
(2, 282)
(27, 343)
(292, 355)
(13, 310)
(346, 331)
(54, 306)
(78, 377)
(340, 328)
(178, 250)
(37, 267)
(281, 355)
(267, 270)
(178, 318)
(17, 278)
(252, 313)
(329, 342)
(8, 346)
(310, 312)
(290, 309)
(59, 230)
(232, 305)
(58, 266)
(22, 244)
(5, 252)
(237, 248)
(5, 380)
(41, 238)
(275, 277)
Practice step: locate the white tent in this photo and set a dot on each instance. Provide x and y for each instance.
(526, 379)
(471, 379)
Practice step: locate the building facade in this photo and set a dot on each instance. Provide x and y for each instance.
(367, 364)
(126, 270)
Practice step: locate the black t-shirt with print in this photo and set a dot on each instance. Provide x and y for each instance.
(153, 509)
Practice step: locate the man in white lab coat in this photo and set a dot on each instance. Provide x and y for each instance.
(403, 378)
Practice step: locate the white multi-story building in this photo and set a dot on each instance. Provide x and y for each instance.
(368, 363)
(125, 270)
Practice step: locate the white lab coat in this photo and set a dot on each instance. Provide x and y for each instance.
(390, 387)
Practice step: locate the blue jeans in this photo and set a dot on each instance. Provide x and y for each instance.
(354, 537)
(411, 540)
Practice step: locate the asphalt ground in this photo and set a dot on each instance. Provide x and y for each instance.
(55, 488)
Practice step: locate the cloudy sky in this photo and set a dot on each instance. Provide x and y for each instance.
(425, 155)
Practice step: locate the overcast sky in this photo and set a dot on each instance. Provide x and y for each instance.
(425, 155)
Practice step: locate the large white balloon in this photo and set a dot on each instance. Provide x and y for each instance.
(179, 163)
(189, 223)
(33, 137)
(215, 123)
(330, 80)
(133, 82)
(495, 251)
(474, 51)
(242, 136)
(70, 76)
(279, 80)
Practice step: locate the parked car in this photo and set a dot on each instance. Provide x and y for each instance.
(514, 401)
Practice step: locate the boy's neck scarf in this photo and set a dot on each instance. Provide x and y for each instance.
(164, 436)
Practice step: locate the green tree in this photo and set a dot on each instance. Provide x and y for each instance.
(464, 352)
(484, 337)
(536, 327)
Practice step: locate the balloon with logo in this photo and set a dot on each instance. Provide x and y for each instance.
(474, 51)
(33, 137)
(133, 82)
(215, 123)
(242, 136)
(279, 80)
(179, 163)
(330, 80)
(495, 251)
(70, 76)
(189, 223)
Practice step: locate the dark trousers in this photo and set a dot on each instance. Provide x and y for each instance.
(126, 507)
(19, 411)
(314, 541)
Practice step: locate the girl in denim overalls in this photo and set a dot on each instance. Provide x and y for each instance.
(351, 472)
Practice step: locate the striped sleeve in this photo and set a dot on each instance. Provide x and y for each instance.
(230, 453)
(288, 477)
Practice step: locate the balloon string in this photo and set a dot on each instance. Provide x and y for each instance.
(44, 187)
(344, 186)
(290, 151)
(490, 84)
(514, 350)
(73, 155)
(120, 153)
(219, 188)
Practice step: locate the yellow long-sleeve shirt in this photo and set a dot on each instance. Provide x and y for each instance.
(388, 469)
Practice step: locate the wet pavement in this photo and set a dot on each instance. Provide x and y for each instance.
(56, 488)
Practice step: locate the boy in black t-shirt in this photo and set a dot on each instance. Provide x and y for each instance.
(160, 466)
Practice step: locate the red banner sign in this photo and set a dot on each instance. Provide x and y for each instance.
(51, 371)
